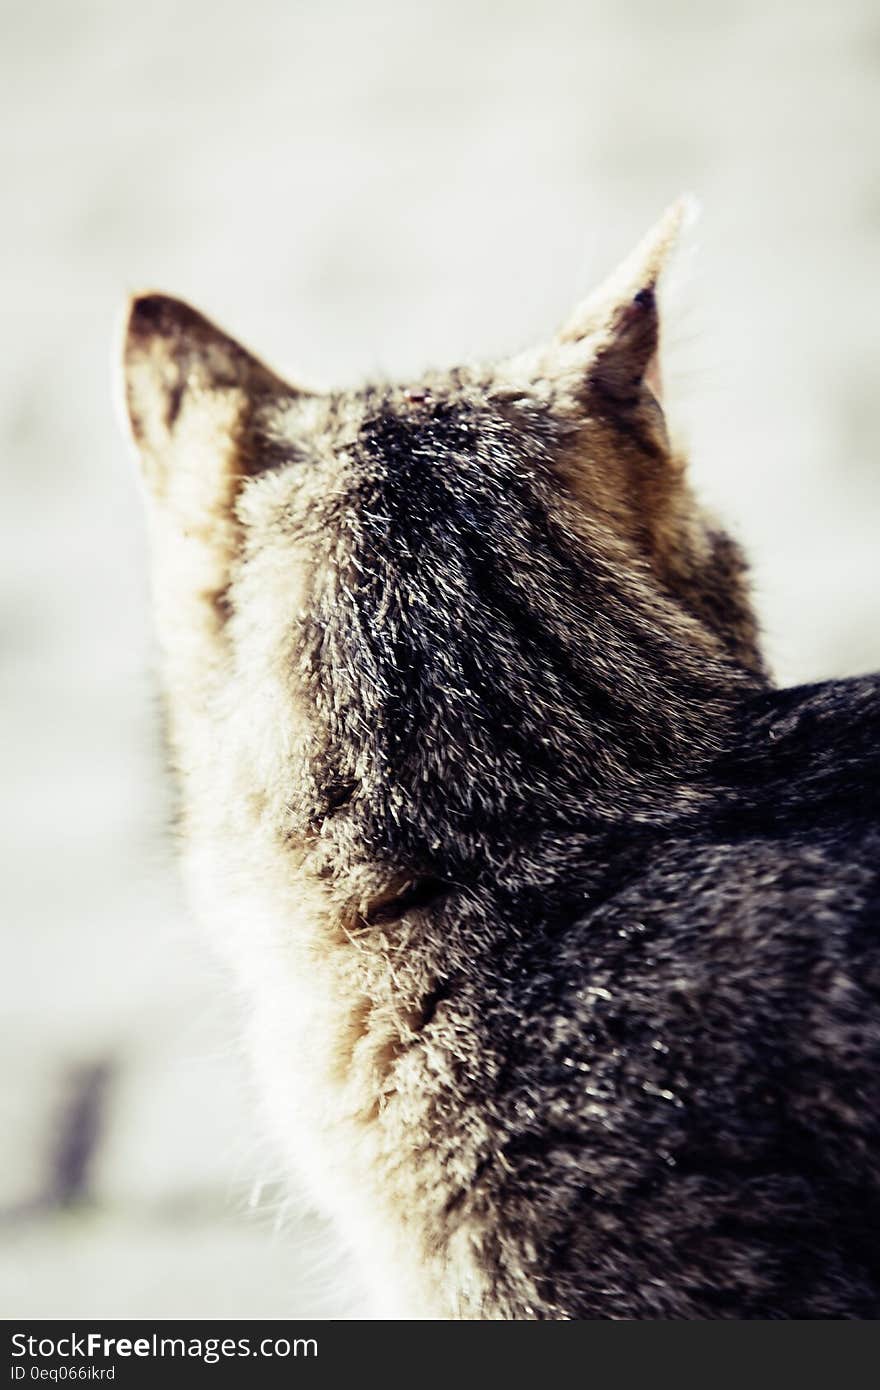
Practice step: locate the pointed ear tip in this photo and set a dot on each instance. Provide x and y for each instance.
(147, 318)
(150, 314)
(678, 219)
(665, 238)
(681, 215)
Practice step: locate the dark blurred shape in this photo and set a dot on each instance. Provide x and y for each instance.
(79, 1133)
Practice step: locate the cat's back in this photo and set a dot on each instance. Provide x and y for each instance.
(680, 1039)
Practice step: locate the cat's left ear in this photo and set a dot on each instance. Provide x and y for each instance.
(606, 356)
(188, 390)
(194, 399)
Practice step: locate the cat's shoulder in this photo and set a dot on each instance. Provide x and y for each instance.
(806, 748)
(829, 712)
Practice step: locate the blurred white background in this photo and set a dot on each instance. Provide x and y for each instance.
(355, 188)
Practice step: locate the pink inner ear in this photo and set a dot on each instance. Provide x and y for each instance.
(653, 378)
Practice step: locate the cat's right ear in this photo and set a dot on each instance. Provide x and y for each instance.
(189, 390)
(605, 359)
